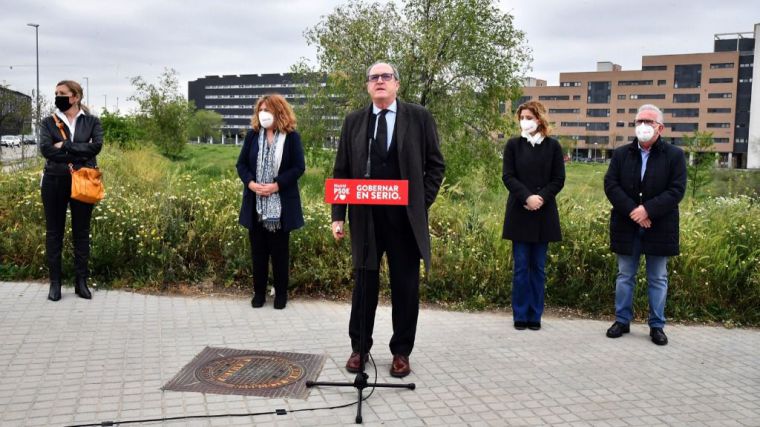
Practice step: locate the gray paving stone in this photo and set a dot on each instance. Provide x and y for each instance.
(470, 369)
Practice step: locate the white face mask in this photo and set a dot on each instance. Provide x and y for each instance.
(528, 126)
(266, 119)
(644, 132)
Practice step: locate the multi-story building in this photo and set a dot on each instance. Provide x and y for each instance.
(697, 92)
(234, 96)
(15, 112)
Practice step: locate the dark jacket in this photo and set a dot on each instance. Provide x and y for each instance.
(81, 152)
(530, 170)
(292, 166)
(420, 162)
(660, 192)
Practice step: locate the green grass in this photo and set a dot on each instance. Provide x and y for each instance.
(167, 224)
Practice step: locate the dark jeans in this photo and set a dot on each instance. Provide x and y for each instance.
(528, 281)
(265, 245)
(56, 192)
(398, 243)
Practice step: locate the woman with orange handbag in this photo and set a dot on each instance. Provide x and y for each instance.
(69, 139)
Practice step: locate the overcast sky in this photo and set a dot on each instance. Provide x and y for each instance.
(109, 42)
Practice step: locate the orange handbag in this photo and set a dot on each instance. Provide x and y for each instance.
(86, 183)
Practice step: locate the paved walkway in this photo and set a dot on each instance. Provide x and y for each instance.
(78, 361)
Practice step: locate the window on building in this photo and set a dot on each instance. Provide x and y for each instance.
(718, 125)
(570, 84)
(720, 140)
(662, 82)
(593, 139)
(682, 127)
(619, 138)
(620, 124)
(721, 80)
(749, 80)
(685, 97)
(682, 112)
(598, 112)
(720, 95)
(718, 110)
(687, 76)
(635, 83)
(720, 65)
(633, 110)
(564, 111)
(654, 68)
(576, 97)
(599, 92)
(598, 126)
(621, 97)
(621, 110)
(554, 98)
(572, 124)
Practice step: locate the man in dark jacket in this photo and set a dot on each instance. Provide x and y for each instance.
(404, 145)
(645, 182)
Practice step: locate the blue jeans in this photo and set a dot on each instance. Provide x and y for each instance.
(528, 281)
(657, 285)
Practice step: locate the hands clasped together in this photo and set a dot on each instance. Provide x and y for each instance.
(264, 190)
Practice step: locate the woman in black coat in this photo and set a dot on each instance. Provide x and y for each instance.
(533, 172)
(74, 145)
(269, 165)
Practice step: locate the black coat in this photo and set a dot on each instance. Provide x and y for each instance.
(292, 166)
(529, 170)
(87, 143)
(660, 192)
(420, 162)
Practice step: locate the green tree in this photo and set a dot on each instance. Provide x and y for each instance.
(206, 124)
(702, 156)
(123, 131)
(164, 112)
(458, 58)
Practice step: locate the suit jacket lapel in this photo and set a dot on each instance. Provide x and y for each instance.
(402, 123)
(361, 142)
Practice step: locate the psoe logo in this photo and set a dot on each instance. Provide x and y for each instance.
(340, 192)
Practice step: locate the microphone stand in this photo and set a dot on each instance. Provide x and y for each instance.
(360, 381)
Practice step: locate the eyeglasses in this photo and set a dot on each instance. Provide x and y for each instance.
(386, 77)
(647, 122)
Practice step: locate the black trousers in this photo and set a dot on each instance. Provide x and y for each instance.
(395, 238)
(265, 245)
(56, 198)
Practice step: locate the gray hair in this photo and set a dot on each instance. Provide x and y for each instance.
(393, 67)
(652, 107)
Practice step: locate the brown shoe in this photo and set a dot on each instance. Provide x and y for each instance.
(353, 364)
(400, 367)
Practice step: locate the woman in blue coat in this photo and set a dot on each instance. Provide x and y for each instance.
(534, 173)
(269, 165)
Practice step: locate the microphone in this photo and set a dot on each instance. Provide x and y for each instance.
(369, 157)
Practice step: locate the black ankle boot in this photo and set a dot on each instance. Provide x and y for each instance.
(80, 288)
(280, 300)
(55, 291)
(258, 300)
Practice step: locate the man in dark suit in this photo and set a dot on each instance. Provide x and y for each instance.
(645, 182)
(404, 145)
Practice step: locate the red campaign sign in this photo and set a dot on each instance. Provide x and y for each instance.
(367, 192)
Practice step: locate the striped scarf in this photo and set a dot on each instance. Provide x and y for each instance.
(268, 208)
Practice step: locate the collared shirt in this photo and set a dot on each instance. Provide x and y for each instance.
(644, 158)
(71, 126)
(390, 118)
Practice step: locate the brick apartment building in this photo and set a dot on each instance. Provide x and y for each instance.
(700, 91)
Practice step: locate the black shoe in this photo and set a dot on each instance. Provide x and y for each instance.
(80, 288)
(55, 291)
(534, 326)
(280, 301)
(658, 336)
(618, 329)
(520, 326)
(258, 300)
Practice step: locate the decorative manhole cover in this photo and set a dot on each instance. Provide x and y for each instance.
(246, 372)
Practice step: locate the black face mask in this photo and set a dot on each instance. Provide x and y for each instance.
(62, 103)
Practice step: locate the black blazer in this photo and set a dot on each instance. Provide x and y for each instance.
(663, 187)
(292, 167)
(420, 161)
(87, 143)
(529, 170)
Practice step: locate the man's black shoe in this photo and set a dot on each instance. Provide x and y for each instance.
(534, 326)
(658, 336)
(520, 326)
(618, 329)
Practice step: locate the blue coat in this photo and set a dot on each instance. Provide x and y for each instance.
(292, 167)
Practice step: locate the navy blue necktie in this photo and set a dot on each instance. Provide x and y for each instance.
(381, 137)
